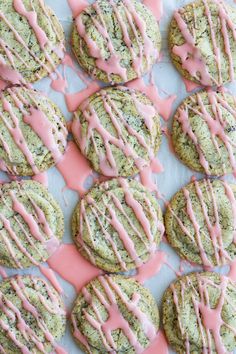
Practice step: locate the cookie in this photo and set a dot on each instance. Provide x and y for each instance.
(32, 316)
(118, 225)
(202, 42)
(32, 41)
(116, 41)
(199, 314)
(114, 314)
(204, 132)
(31, 224)
(32, 132)
(118, 130)
(200, 222)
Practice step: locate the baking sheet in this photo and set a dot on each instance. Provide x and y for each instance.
(175, 174)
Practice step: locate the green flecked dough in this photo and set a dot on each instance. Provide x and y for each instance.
(188, 245)
(13, 159)
(23, 56)
(50, 310)
(122, 98)
(195, 18)
(129, 288)
(100, 251)
(27, 193)
(187, 289)
(116, 35)
(213, 148)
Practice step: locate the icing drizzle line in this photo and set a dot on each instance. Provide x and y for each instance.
(115, 319)
(13, 313)
(10, 73)
(107, 163)
(34, 227)
(113, 65)
(216, 124)
(191, 57)
(49, 133)
(209, 319)
(214, 228)
(113, 220)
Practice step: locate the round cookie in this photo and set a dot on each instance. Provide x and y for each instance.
(199, 314)
(118, 130)
(31, 223)
(116, 41)
(32, 316)
(200, 222)
(118, 225)
(32, 132)
(32, 41)
(204, 132)
(202, 42)
(114, 314)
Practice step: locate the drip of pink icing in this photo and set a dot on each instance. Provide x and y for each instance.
(190, 55)
(113, 220)
(74, 168)
(64, 262)
(146, 176)
(159, 345)
(73, 100)
(167, 133)
(41, 178)
(26, 331)
(152, 267)
(156, 6)
(190, 85)
(50, 275)
(77, 6)
(45, 129)
(162, 105)
(31, 17)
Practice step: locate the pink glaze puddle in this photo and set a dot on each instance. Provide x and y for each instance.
(74, 168)
(152, 267)
(72, 267)
(190, 85)
(162, 105)
(146, 176)
(73, 100)
(41, 178)
(232, 271)
(50, 275)
(77, 6)
(60, 350)
(156, 6)
(158, 346)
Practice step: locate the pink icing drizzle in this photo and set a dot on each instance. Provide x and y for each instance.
(152, 267)
(162, 105)
(156, 6)
(74, 168)
(208, 319)
(45, 129)
(73, 100)
(115, 318)
(41, 178)
(77, 6)
(64, 262)
(159, 343)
